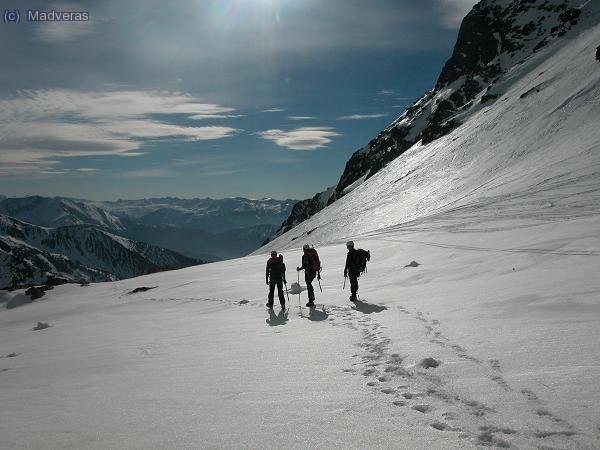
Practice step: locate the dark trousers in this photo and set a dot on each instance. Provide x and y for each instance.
(309, 276)
(279, 291)
(353, 282)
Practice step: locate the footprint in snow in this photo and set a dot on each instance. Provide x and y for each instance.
(422, 408)
(488, 439)
(441, 426)
(495, 364)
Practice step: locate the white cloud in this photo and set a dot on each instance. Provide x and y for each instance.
(273, 110)
(361, 116)
(301, 117)
(304, 138)
(37, 125)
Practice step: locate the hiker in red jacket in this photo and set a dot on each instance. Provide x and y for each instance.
(275, 276)
(311, 266)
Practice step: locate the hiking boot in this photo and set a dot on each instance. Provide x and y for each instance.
(353, 298)
(269, 305)
(310, 304)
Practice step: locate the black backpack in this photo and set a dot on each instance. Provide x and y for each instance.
(361, 259)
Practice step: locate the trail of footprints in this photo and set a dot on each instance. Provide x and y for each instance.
(422, 391)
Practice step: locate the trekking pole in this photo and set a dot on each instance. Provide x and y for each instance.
(319, 281)
(299, 290)
(344, 287)
(286, 292)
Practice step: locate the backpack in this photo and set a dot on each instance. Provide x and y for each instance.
(313, 260)
(362, 257)
(276, 268)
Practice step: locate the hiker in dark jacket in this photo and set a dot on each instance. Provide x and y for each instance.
(275, 276)
(354, 266)
(311, 266)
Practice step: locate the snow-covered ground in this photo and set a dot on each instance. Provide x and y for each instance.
(503, 218)
(512, 314)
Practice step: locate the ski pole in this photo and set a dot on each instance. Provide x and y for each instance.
(299, 290)
(319, 281)
(344, 287)
(286, 291)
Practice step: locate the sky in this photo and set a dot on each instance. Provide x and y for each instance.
(207, 98)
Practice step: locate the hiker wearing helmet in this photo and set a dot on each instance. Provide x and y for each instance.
(275, 276)
(311, 266)
(356, 263)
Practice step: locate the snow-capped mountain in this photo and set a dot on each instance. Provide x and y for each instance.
(58, 212)
(31, 254)
(213, 216)
(494, 39)
(199, 228)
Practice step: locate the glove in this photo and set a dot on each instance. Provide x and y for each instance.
(298, 269)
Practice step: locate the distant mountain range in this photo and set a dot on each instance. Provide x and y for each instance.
(31, 254)
(84, 240)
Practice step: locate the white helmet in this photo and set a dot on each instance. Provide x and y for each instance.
(306, 247)
(350, 244)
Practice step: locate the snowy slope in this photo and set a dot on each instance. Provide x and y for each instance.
(494, 38)
(536, 148)
(185, 365)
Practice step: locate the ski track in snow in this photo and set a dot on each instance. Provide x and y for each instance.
(421, 391)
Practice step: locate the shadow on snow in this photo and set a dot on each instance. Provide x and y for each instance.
(368, 308)
(317, 315)
(277, 319)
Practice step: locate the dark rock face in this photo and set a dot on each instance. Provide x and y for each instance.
(34, 292)
(302, 211)
(493, 37)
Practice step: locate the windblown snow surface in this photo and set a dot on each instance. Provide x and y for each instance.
(503, 216)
